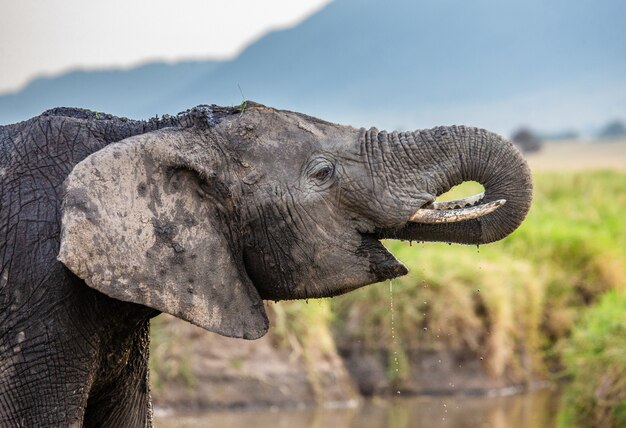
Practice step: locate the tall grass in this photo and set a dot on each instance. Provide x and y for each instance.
(595, 357)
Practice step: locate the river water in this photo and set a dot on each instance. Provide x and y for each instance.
(535, 409)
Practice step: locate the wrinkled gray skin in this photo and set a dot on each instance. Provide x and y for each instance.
(202, 215)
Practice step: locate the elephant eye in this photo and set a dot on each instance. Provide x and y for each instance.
(322, 172)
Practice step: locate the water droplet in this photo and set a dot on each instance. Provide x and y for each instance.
(481, 358)
(425, 328)
(393, 334)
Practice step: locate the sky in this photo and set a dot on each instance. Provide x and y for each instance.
(49, 37)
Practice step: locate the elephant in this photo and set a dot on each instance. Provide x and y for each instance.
(107, 222)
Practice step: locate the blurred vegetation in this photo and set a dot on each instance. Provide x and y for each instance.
(300, 327)
(595, 357)
(167, 363)
(511, 303)
(303, 327)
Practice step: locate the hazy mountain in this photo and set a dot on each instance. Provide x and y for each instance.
(395, 63)
(131, 92)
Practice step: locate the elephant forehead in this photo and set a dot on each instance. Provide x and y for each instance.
(288, 155)
(276, 129)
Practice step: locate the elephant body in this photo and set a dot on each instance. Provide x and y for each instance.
(62, 344)
(200, 215)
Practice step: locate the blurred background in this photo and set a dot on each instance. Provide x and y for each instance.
(527, 332)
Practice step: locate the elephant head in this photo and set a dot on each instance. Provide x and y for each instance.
(204, 221)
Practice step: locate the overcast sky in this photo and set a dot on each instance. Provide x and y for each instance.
(47, 37)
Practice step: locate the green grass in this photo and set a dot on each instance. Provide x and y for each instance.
(512, 302)
(595, 357)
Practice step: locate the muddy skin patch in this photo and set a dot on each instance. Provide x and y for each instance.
(164, 233)
(79, 200)
(142, 189)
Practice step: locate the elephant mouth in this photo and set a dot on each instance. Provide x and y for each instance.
(384, 266)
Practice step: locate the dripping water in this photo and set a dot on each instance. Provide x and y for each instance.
(393, 334)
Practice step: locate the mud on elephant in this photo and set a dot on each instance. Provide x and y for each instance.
(106, 222)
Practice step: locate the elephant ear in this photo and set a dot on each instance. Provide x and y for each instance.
(146, 221)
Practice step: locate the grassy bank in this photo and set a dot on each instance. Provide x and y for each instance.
(511, 303)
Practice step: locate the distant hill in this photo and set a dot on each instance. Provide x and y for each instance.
(132, 92)
(397, 63)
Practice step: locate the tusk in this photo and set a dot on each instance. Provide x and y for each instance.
(458, 203)
(424, 215)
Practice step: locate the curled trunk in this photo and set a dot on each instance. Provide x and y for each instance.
(452, 155)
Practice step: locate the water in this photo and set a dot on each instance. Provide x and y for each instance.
(396, 363)
(536, 409)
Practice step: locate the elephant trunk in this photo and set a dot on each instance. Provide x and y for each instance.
(447, 156)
